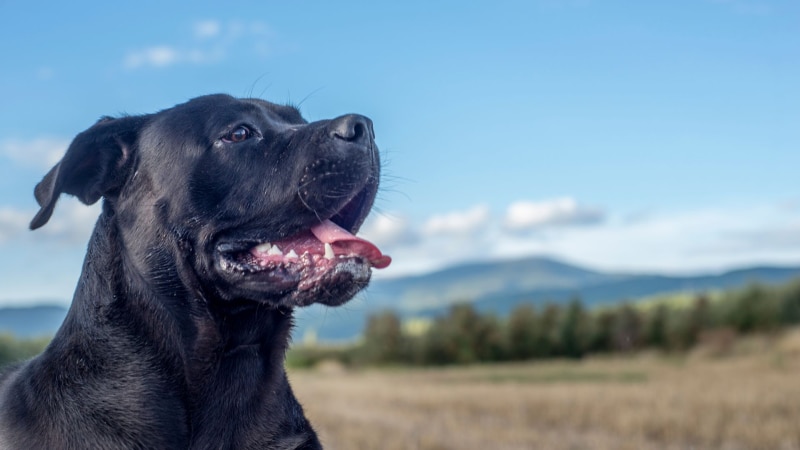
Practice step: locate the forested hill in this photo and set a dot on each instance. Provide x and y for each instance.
(34, 321)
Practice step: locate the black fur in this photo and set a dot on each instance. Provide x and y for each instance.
(162, 347)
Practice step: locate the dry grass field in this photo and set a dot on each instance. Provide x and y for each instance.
(746, 399)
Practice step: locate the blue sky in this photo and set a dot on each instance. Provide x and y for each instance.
(623, 135)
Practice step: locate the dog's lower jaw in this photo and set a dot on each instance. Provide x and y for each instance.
(332, 287)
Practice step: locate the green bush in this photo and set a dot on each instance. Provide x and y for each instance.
(574, 331)
(384, 341)
(13, 350)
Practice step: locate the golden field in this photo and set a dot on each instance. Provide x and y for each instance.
(744, 397)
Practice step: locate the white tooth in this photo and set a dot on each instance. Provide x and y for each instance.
(263, 248)
(275, 251)
(328, 251)
(291, 254)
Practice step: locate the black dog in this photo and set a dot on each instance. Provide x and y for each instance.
(220, 216)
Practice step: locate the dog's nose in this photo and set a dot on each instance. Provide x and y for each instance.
(352, 128)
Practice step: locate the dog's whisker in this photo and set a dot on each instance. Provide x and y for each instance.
(300, 196)
(308, 96)
(254, 83)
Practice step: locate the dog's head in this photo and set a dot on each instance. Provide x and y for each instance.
(240, 196)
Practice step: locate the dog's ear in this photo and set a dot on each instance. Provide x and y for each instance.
(94, 165)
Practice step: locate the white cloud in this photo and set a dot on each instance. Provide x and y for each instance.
(71, 224)
(459, 222)
(526, 215)
(158, 56)
(42, 153)
(162, 56)
(386, 231)
(12, 222)
(210, 43)
(685, 241)
(206, 29)
(471, 234)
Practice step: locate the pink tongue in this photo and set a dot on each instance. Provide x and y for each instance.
(330, 233)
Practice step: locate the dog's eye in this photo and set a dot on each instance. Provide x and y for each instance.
(239, 134)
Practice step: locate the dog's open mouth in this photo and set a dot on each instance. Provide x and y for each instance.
(308, 259)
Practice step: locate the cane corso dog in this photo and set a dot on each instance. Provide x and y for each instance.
(220, 215)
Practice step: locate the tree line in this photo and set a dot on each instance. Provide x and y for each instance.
(464, 335)
(12, 349)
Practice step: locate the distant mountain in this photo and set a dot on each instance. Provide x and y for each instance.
(478, 280)
(496, 287)
(637, 287)
(33, 321)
